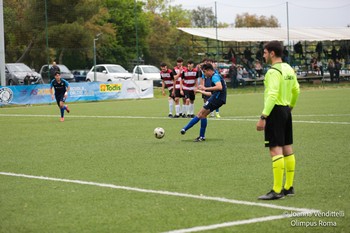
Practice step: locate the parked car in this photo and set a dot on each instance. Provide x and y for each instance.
(65, 73)
(108, 73)
(147, 72)
(80, 75)
(21, 74)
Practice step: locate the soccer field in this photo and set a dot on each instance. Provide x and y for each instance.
(102, 170)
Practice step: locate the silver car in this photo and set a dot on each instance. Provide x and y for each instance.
(21, 74)
(65, 73)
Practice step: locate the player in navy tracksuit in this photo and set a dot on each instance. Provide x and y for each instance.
(217, 92)
(61, 87)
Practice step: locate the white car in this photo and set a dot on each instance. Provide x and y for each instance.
(108, 73)
(147, 72)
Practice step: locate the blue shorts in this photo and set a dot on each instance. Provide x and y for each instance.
(213, 104)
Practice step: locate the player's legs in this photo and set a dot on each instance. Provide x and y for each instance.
(191, 104)
(217, 113)
(183, 108)
(62, 108)
(171, 105)
(177, 103)
(289, 160)
(201, 114)
(275, 140)
(208, 107)
(289, 157)
(177, 107)
(277, 167)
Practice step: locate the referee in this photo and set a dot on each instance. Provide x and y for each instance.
(281, 94)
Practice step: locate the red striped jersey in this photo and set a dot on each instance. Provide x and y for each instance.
(189, 79)
(176, 70)
(168, 79)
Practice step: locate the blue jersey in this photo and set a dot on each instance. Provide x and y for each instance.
(219, 95)
(207, 81)
(60, 88)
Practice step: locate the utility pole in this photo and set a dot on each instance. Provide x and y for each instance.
(2, 46)
(95, 39)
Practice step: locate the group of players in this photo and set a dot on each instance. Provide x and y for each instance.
(182, 83)
(280, 96)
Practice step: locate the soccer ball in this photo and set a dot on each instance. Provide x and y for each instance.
(159, 132)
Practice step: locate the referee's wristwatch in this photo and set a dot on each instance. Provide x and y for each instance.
(262, 117)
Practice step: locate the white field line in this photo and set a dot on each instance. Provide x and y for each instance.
(239, 118)
(201, 197)
(160, 192)
(229, 224)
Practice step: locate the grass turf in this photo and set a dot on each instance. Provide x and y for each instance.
(112, 142)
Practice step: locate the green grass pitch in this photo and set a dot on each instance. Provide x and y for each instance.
(142, 184)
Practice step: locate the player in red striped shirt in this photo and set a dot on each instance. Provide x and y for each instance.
(168, 82)
(188, 86)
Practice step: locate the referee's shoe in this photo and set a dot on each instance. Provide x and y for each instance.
(288, 192)
(272, 195)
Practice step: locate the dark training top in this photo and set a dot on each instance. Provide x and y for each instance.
(60, 88)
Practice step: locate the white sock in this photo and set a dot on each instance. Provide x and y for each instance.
(171, 102)
(184, 109)
(191, 109)
(177, 109)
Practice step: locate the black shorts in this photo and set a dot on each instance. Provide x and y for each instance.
(178, 94)
(212, 104)
(60, 98)
(189, 94)
(171, 94)
(279, 128)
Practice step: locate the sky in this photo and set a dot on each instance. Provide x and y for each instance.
(301, 13)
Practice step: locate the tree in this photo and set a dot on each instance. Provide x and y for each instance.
(247, 20)
(72, 25)
(164, 41)
(123, 16)
(203, 17)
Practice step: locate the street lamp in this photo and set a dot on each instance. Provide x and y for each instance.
(95, 39)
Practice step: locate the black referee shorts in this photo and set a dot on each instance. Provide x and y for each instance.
(279, 128)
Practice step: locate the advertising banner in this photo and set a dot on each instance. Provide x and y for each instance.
(89, 91)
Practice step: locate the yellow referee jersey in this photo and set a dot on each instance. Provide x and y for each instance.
(281, 87)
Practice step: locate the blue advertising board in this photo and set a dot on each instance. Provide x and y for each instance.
(90, 91)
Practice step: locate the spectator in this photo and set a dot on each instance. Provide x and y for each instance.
(334, 53)
(319, 48)
(258, 68)
(319, 65)
(240, 75)
(337, 68)
(232, 73)
(53, 70)
(285, 57)
(331, 68)
(298, 48)
(313, 64)
(231, 56)
(247, 54)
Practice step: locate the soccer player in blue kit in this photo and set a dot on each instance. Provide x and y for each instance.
(217, 92)
(61, 87)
